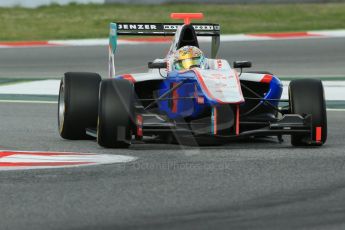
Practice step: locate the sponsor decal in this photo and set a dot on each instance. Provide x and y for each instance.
(219, 89)
(217, 27)
(196, 27)
(219, 63)
(218, 76)
(170, 27)
(160, 26)
(123, 26)
(203, 27)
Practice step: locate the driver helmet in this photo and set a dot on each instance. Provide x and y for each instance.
(188, 57)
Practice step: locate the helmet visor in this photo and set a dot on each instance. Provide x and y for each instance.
(188, 63)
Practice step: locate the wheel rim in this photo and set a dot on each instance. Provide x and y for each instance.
(61, 108)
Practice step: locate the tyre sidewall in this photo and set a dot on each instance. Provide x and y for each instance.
(115, 113)
(307, 97)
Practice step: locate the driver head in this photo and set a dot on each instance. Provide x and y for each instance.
(188, 57)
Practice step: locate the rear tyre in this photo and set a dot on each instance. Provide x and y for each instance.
(307, 97)
(78, 104)
(115, 113)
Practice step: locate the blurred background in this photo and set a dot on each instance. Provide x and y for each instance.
(46, 20)
(247, 185)
(35, 3)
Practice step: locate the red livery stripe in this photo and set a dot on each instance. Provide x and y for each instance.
(238, 120)
(215, 120)
(318, 134)
(175, 99)
(266, 79)
(128, 77)
(200, 100)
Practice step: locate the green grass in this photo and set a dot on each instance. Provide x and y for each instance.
(91, 21)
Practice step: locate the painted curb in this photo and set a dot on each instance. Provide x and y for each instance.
(146, 40)
(20, 160)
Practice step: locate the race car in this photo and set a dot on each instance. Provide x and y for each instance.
(186, 94)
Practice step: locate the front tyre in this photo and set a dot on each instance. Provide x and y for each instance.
(115, 113)
(78, 104)
(307, 97)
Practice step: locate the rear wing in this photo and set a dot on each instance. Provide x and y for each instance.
(162, 29)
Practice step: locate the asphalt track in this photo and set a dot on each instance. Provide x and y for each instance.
(248, 185)
(306, 57)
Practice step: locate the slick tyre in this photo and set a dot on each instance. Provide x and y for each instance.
(78, 104)
(306, 96)
(115, 113)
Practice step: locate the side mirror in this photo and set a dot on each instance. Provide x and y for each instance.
(157, 65)
(242, 64)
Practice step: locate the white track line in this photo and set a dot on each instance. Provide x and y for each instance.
(39, 87)
(29, 102)
(336, 110)
(334, 90)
